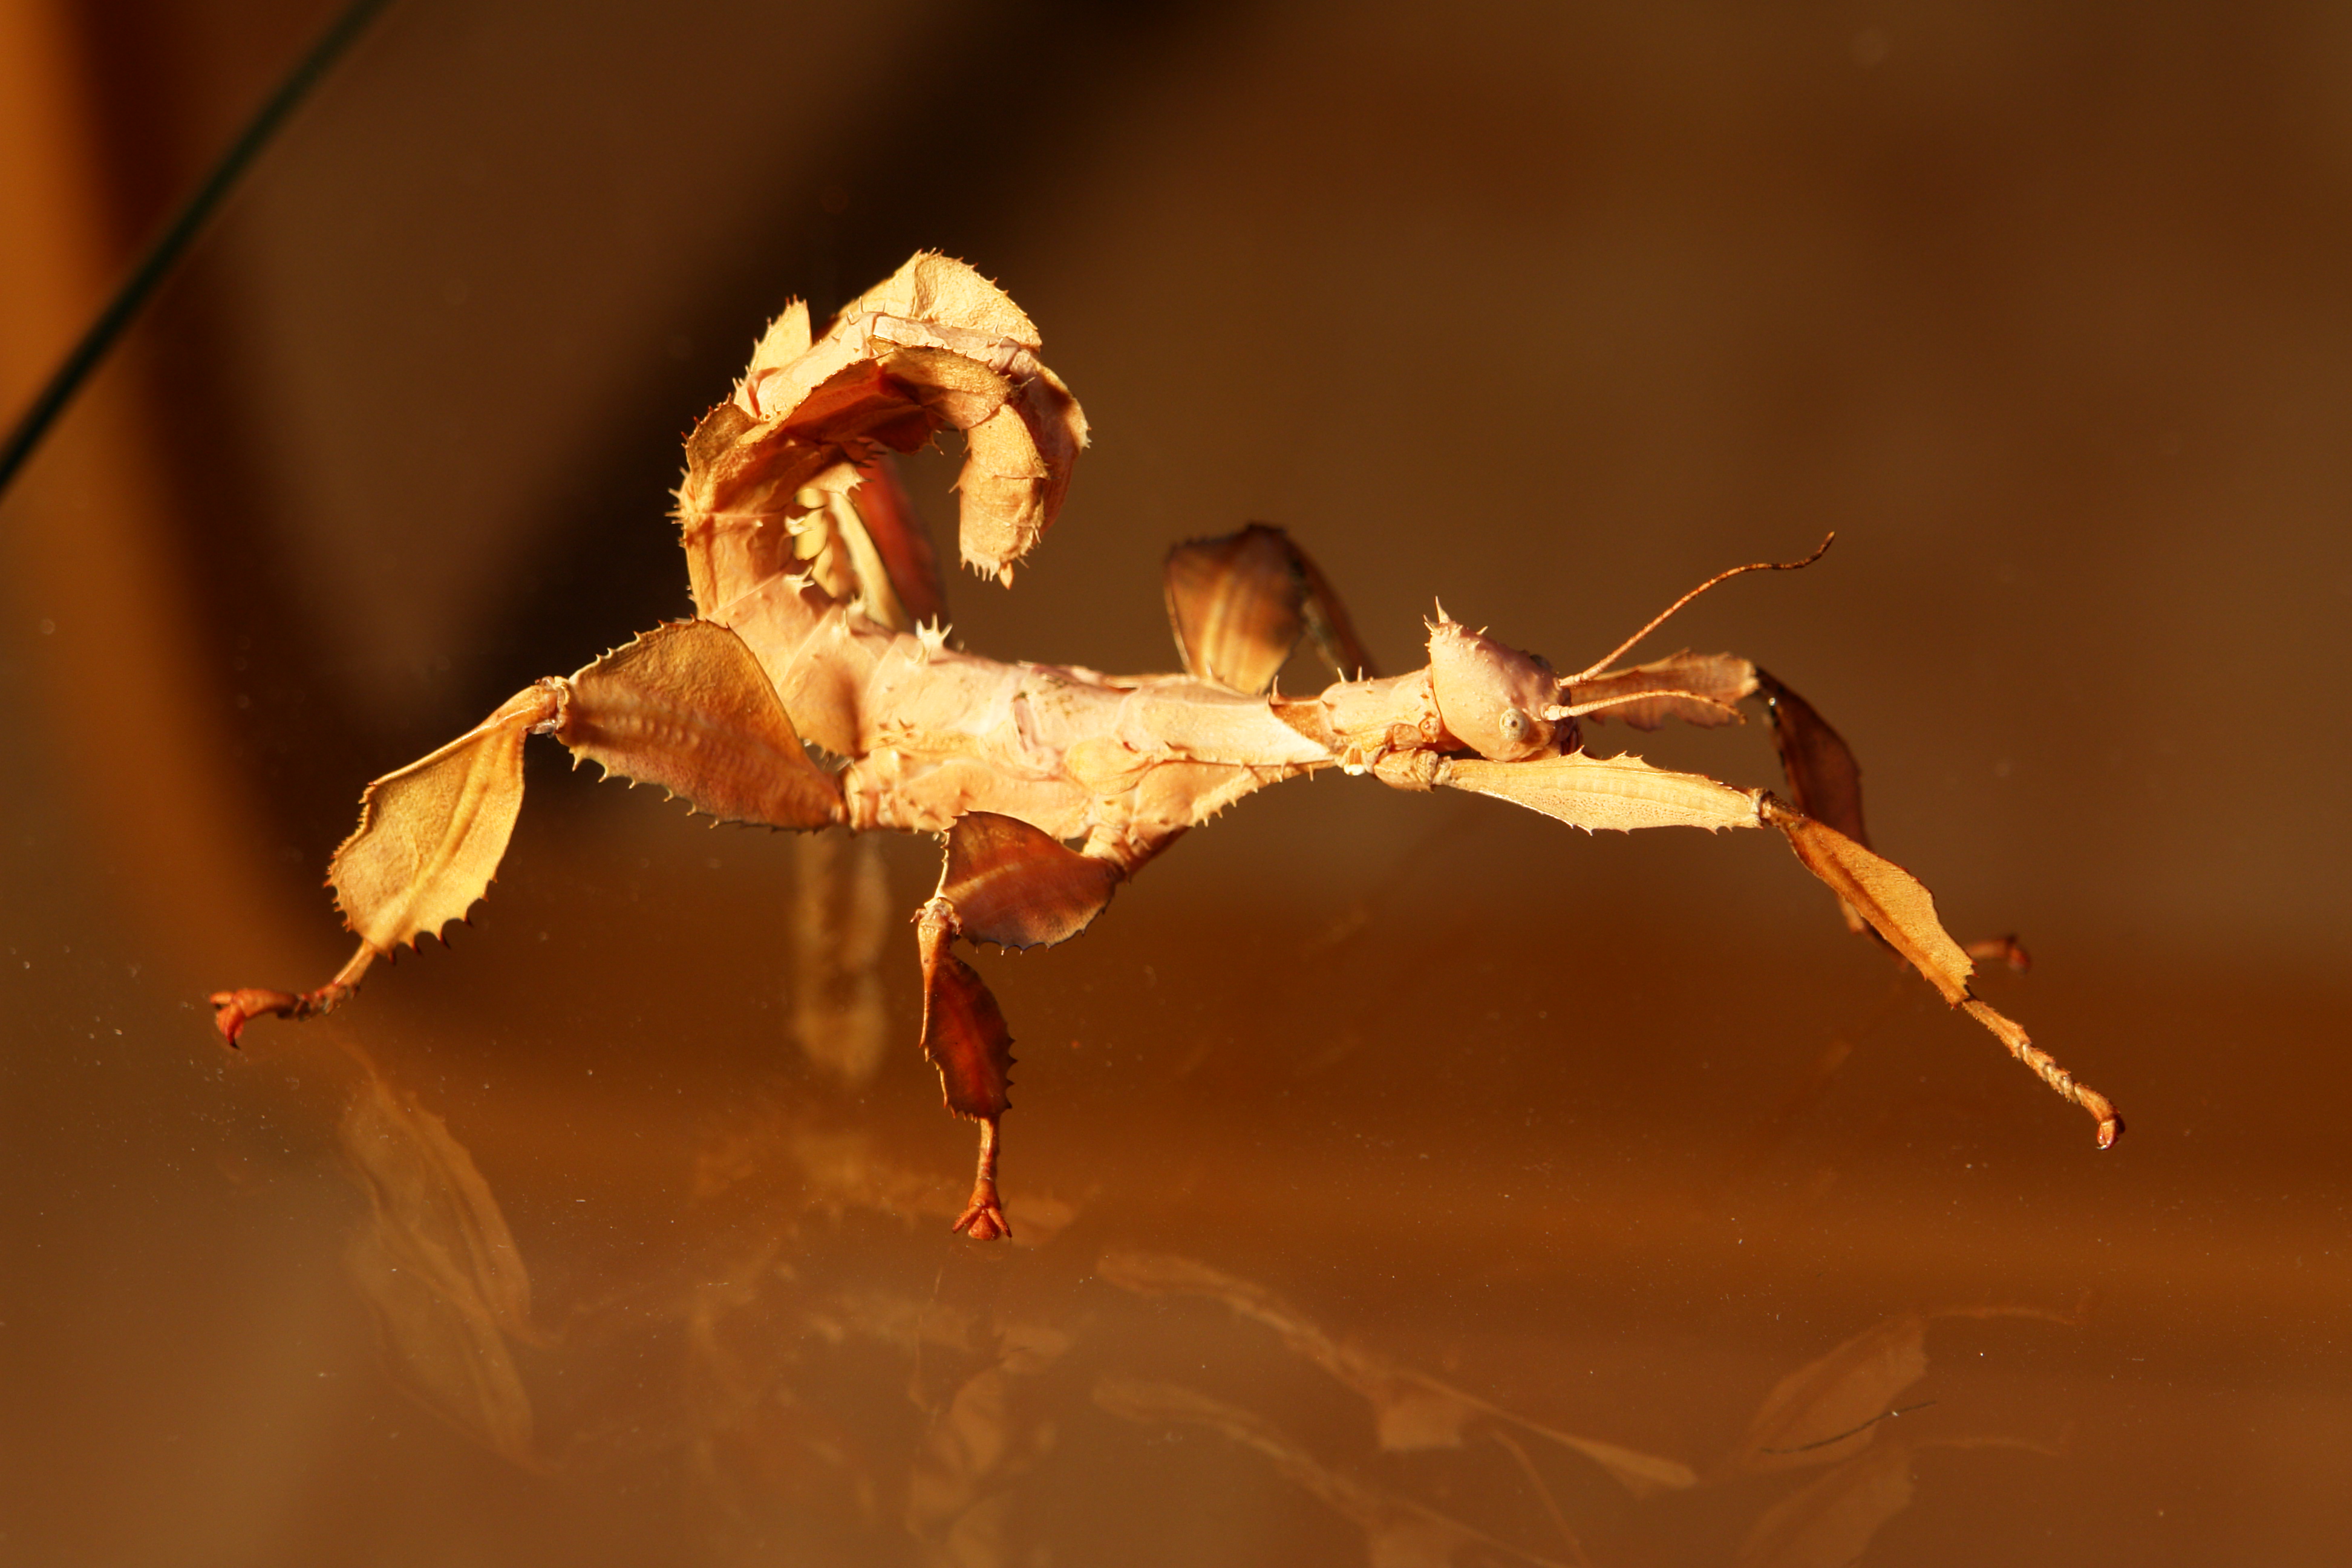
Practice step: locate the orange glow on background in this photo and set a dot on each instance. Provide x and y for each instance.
(1397, 1179)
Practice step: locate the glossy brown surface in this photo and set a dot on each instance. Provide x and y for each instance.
(1396, 1178)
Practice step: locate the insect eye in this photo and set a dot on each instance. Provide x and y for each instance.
(1514, 725)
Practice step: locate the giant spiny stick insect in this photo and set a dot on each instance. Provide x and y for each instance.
(816, 600)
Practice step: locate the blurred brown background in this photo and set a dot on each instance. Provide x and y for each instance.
(1544, 310)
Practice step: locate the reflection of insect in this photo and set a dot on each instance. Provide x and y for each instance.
(817, 600)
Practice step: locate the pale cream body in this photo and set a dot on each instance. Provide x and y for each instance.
(1121, 763)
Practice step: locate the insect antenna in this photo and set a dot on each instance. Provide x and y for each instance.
(1576, 709)
(1622, 649)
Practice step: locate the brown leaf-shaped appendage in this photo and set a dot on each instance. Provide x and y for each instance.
(1016, 472)
(963, 1030)
(1824, 780)
(1617, 793)
(1239, 603)
(1702, 688)
(688, 707)
(1017, 886)
(1233, 605)
(939, 290)
(1895, 902)
(431, 835)
(936, 346)
(1328, 625)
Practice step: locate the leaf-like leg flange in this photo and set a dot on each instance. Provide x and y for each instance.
(688, 708)
(1698, 689)
(964, 1036)
(1598, 793)
(1824, 781)
(1239, 603)
(1825, 784)
(431, 835)
(1017, 885)
(429, 840)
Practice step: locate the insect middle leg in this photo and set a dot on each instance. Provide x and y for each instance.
(1005, 883)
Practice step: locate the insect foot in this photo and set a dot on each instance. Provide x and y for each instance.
(983, 1217)
(233, 1010)
(1903, 912)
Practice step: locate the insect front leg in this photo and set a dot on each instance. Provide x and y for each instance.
(1826, 784)
(1624, 792)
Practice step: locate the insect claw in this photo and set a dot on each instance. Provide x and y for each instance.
(233, 1010)
(983, 1217)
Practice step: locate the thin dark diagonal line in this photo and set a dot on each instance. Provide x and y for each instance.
(186, 224)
